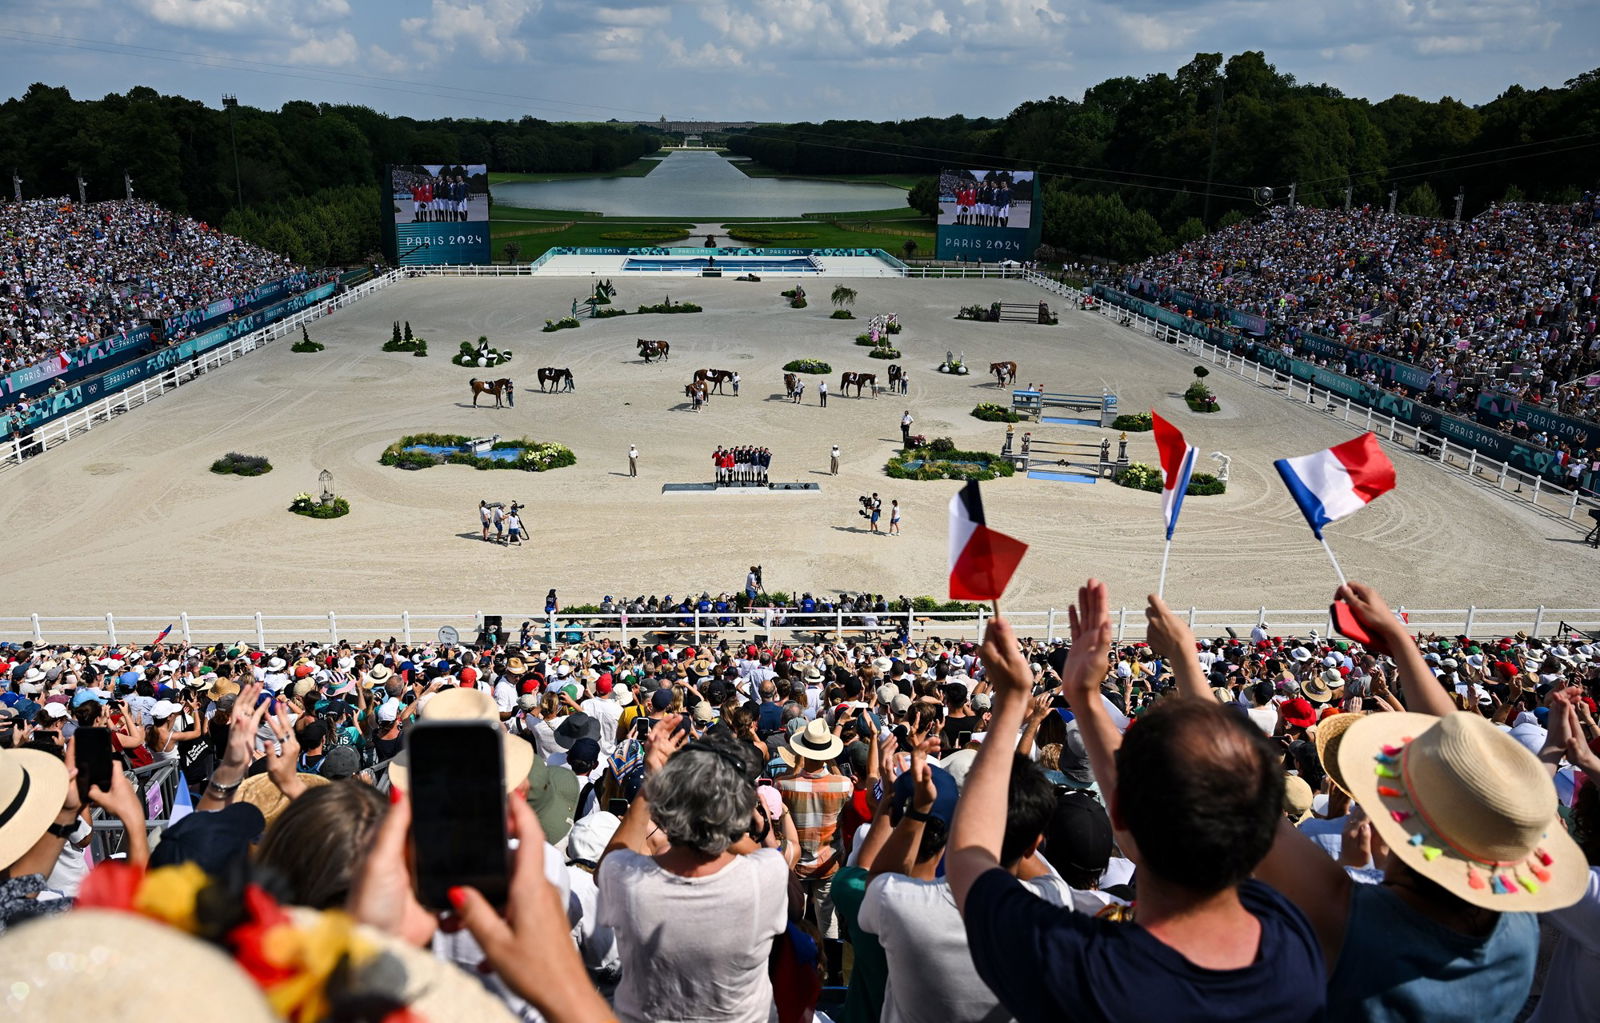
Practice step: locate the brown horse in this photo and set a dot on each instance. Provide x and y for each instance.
(713, 379)
(790, 382)
(558, 379)
(1004, 372)
(858, 380)
(696, 393)
(896, 374)
(501, 389)
(653, 349)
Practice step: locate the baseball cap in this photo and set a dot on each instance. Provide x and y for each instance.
(341, 762)
(661, 699)
(584, 750)
(1078, 838)
(944, 800)
(55, 710)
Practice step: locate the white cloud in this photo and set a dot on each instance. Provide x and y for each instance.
(235, 16)
(490, 27)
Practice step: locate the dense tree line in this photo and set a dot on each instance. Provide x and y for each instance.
(1126, 167)
(302, 158)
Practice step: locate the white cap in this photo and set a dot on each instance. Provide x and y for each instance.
(55, 710)
(164, 709)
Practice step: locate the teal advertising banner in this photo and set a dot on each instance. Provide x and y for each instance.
(435, 244)
(435, 214)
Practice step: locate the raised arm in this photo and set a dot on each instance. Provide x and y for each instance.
(1422, 692)
(1171, 637)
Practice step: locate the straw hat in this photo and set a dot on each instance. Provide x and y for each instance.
(1465, 806)
(1330, 734)
(32, 785)
(1319, 688)
(469, 705)
(100, 963)
(816, 741)
(261, 792)
(1297, 798)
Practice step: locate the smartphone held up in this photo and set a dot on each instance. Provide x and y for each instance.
(458, 811)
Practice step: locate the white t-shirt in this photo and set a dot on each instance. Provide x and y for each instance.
(1265, 718)
(925, 944)
(694, 948)
(1572, 988)
(608, 712)
(598, 944)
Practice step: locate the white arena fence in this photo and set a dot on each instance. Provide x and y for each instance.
(1554, 501)
(976, 270)
(82, 420)
(264, 630)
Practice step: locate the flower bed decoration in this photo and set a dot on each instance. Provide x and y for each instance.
(1139, 476)
(311, 508)
(990, 412)
(884, 353)
(423, 450)
(565, 323)
(807, 366)
(236, 464)
(1136, 422)
(934, 463)
(479, 355)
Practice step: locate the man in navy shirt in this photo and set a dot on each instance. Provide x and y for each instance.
(1195, 795)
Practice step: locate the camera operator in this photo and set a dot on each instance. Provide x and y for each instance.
(871, 510)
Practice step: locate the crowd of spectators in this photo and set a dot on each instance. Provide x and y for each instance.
(1505, 301)
(71, 274)
(1273, 827)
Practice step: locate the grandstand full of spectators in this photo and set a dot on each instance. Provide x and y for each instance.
(1263, 827)
(1504, 302)
(71, 274)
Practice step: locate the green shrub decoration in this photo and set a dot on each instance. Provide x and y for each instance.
(1134, 422)
(670, 306)
(884, 353)
(893, 326)
(927, 603)
(797, 303)
(537, 456)
(565, 323)
(990, 412)
(607, 313)
(305, 344)
(311, 508)
(1140, 476)
(866, 342)
(759, 235)
(1200, 399)
(416, 346)
(940, 463)
(236, 464)
(841, 314)
(807, 366)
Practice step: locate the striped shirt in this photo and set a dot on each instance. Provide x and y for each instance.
(816, 801)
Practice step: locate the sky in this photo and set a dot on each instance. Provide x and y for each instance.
(767, 60)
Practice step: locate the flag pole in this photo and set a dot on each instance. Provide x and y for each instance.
(1336, 569)
(1161, 586)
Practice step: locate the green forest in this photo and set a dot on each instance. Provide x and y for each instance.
(307, 173)
(1134, 166)
(1127, 169)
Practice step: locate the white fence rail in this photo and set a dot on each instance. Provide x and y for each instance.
(263, 630)
(977, 270)
(82, 420)
(1539, 493)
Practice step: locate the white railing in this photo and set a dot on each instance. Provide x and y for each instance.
(1539, 493)
(469, 270)
(82, 420)
(264, 630)
(977, 270)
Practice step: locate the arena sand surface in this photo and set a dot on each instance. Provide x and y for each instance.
(128, 519)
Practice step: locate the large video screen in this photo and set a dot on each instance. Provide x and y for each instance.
(438, 213)
(988, 215)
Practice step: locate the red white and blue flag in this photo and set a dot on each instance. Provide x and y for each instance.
(1331, 484)
(981, 559)
(1177, 465)
(164, 633)
(66, 360)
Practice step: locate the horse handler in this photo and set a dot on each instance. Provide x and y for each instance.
(511, 394)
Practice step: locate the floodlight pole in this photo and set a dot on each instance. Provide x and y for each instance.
(230, 103)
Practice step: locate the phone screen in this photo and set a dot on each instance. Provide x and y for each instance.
(458, 811)
(92, 754)
(619, 807)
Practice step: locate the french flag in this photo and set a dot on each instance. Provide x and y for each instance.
(1177, 465)
(164, 634)
(981, 559)
(64, 360)
(1334, 483)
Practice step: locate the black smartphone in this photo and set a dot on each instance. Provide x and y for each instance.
(92, 752)
(458, 811)
(618, 806)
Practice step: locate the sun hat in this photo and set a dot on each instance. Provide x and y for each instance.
(32, 785)
(703, 712)
(886, 693)
(261, 792)
(1319, 688)
(93, 961)
(1296, 798)
(623, 695)
(379, 673)
(470, 705)
(1298, 712)
(1465, 806)
(577, 725)
(1330, 735)
(958, 764)
(589, 837)
(276, 664)
(816, 741)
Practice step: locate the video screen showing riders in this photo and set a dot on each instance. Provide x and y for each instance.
(440, 193)
(986, 198)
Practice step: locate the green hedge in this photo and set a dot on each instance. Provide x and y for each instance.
(807, 366)
(884, 353)
(236, 464)
(756, 234)
(416, 346)
(647, 234)
(670, 307)
(1200, 399)
(939, 465)
(926, 603)
(1136, 422)
(990, 412)
(537, 456)
(565, 323)
(306, 345)
(841, 314)
(1139, 476)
